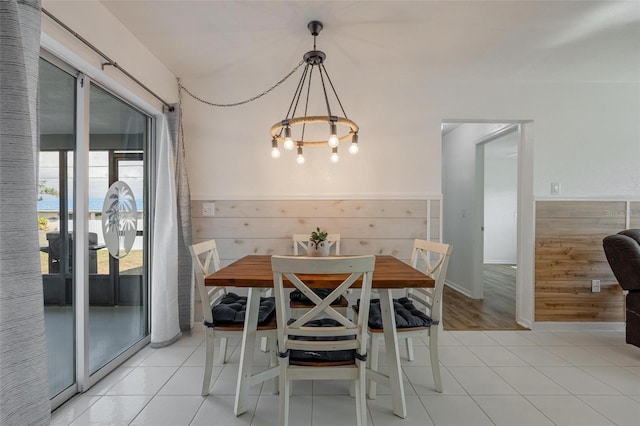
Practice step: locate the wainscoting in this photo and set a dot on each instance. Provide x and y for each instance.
(568, 241)
(569, 255)
(365, 226)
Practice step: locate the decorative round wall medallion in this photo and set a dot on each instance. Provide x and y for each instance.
(119, 219)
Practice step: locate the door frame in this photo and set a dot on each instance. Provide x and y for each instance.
(525, 283)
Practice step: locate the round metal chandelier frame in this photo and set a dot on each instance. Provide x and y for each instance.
(276, 129)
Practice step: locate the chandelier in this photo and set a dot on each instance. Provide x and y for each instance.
(281, 132)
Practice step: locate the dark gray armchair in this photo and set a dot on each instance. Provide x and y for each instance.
(623, 254)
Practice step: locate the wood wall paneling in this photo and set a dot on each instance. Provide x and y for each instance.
(366, 226)
(569, 254)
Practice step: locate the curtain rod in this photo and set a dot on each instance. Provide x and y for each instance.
(106, 58)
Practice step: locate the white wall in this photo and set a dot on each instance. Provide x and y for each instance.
(91, 20)
(586, 132)
(587, 137)
(501, 199)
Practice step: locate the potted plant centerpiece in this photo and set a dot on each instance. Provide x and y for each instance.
(318, 244)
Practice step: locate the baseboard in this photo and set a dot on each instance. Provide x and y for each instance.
(577, 326)
(457, 288)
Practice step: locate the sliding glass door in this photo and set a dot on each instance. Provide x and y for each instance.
(93, 220)
(118, 313)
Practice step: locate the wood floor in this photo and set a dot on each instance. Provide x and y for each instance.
(496, 311)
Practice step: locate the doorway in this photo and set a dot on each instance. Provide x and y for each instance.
(488, 217)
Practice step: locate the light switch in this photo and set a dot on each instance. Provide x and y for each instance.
(208, 209)
(555, 188)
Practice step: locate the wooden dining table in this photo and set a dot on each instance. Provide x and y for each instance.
(254, 272)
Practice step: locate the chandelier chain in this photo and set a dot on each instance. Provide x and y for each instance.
(282, 80)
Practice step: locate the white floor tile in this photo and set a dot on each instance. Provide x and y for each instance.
(112, 411)
(217, 410)
(109, 381)
(227, 380)
(497, 356)
(458, 356)
(578, 338)
(529, 381)
(188, 381)
(619, 378)
(169, 411)
(382, 413)
(623, 356)
(621, 410)
(546, 338)
(567, 410)
(537, 356)
(473, 338)
(481, 381)
(446, 338)
(577, 355)
(499, 377)
(267, 414)
(454, 410)
(334, 411)
(421, 380)
(72, 409)
(577, 381)
(172, 356)
(509, 410)
(510, 338)
(143, 381)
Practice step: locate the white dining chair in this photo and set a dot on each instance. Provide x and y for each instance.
(322, 344)
(301, 241)
(206, 260)
(423, 309)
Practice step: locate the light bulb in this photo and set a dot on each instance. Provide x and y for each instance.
(275, 152)
(353, 149)
(333, 139)
(288, 142)
(300, 157)
(334, 155)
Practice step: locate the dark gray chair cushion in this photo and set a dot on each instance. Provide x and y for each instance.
(297, 296)
(233, 308)
(407, 315)
(296, 355)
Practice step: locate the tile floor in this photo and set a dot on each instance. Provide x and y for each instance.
(489, 378)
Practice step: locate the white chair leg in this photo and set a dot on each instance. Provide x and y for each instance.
(208, 363)
(409, 343)
(222, 355)
(273, 362)
(361, 397)
(373, 363)
(435, 364)
(285, 388)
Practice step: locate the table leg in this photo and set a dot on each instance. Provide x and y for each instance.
(393, 353)
(246, 353)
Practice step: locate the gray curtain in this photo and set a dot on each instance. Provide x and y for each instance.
(24, 391)
(185, 238)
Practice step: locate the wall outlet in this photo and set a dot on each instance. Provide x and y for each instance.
(208, 209)
(595, 286)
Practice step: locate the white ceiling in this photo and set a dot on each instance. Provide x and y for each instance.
(517, 40)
